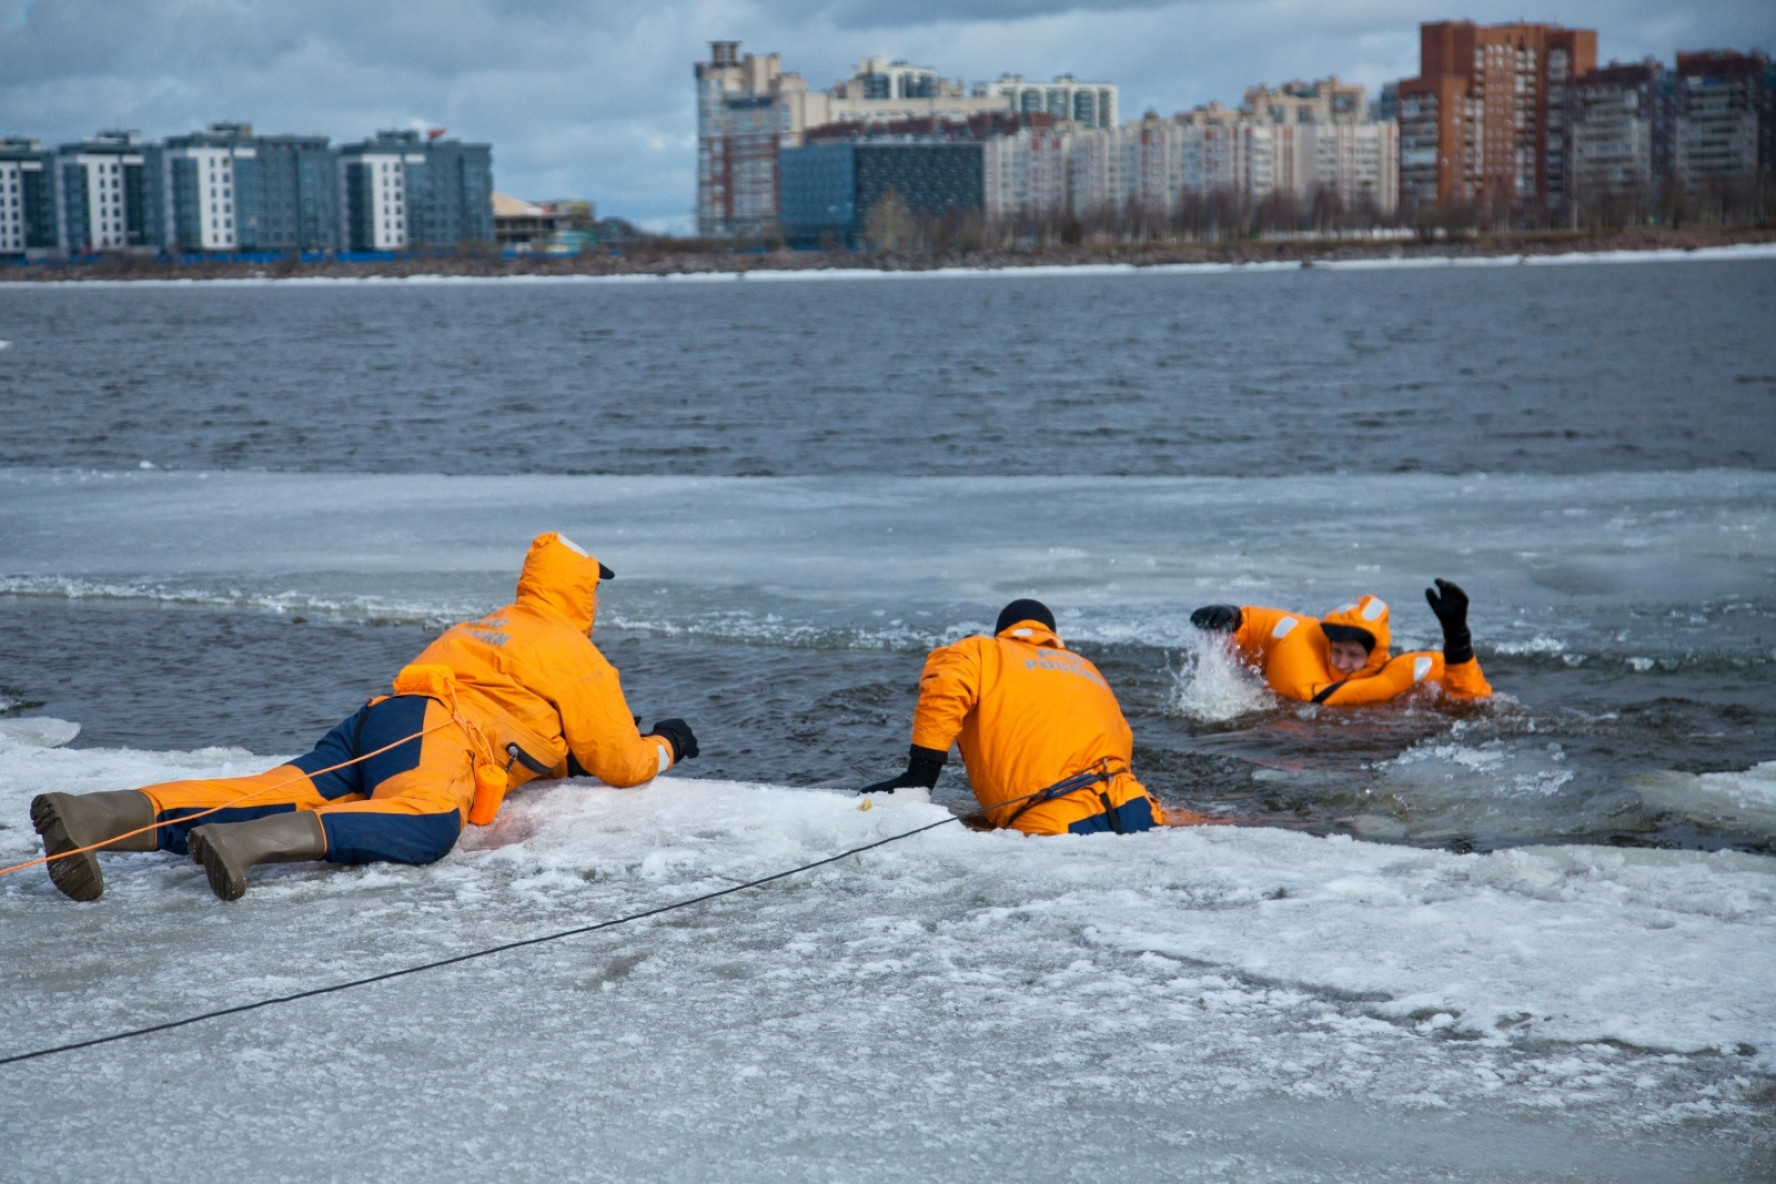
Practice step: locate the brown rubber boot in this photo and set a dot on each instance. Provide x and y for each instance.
(228, 849)
(69, 821)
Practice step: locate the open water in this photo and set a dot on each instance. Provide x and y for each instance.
(229, 512)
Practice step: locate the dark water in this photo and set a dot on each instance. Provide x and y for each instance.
(173, 677)
(1565, 369)
(1588, 370)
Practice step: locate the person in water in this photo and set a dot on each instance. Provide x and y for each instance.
(1044, 741)
(1343, 659)
(521, 693)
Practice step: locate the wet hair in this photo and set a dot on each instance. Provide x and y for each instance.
(1023, 610)
(1362, 637)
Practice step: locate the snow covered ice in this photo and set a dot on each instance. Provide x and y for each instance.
(1226, 1003)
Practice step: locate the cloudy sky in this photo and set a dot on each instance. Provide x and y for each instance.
(593, 98)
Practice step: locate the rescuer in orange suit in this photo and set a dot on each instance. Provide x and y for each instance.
(1343, 659)
(521, 693)
(1044, 741)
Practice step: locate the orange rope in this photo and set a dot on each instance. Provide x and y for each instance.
(140, 830)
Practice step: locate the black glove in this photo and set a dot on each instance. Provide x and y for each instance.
(923, 766)
(678, 734)
(1221, 618)
(1450, 604)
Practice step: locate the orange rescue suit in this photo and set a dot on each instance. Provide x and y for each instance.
(1290, 650)
(527, 674)
(1027, 713)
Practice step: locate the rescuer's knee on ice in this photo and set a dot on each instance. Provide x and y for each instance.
(1044, 740)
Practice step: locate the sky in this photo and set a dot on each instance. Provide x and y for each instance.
(593, 99)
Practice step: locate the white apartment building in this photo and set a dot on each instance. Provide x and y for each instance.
(107, 202)
(12, 206)
(202, 191)
(374, 185)
(1027, 174)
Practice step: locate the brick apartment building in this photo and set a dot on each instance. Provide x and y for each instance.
(1482, 124)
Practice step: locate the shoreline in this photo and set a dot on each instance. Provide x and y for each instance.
(648, 263)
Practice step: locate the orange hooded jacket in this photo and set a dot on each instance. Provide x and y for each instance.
(529, 674)
(1027, 713)
(1290, 650)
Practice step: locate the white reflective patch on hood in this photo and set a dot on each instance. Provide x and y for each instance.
(1373, 610)
(572, 546)
(1284, 626)
(1420, 668)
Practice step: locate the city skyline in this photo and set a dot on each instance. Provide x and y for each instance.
(595, 102)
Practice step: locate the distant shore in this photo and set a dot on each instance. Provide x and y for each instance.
(663, 259)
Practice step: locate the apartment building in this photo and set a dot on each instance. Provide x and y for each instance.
(750, 111)
(1482, 123)
(1616, 120)
(28, 206)
(110, 196)
(1722, 121)
(400, 190)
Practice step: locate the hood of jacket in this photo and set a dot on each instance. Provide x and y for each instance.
(1369, 613)
(560, 580)
(1034, 632)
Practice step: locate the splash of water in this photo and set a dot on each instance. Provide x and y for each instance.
(1211, 685)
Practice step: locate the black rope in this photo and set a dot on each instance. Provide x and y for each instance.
(511, 945)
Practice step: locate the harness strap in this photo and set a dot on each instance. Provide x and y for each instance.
(1060, 789)
(1326, 692)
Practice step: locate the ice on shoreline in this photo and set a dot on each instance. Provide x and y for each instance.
(1731, 253)
(1618, 998)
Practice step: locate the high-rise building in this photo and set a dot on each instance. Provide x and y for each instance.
(1616, 118)
(1027, 173)
(210, 186)
(111, 194)
(1481, 125)
(749, 111)
(399, 190)
(830, 186)
(230, 190)
(297, 184)
(1724, 125)
(373, 184)
(28, 206)
(744, 119)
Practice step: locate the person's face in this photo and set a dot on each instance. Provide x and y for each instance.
(1347, 657)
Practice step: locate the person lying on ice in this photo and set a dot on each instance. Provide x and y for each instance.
(1343, 659)
(519, 694)
(1041, 734)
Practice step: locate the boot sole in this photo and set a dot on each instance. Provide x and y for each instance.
(78, 876)
(226, 881)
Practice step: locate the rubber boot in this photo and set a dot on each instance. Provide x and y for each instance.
(69, 821)
(228, 849)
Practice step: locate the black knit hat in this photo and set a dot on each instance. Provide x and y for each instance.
(1362, 637)
(1023, 610)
